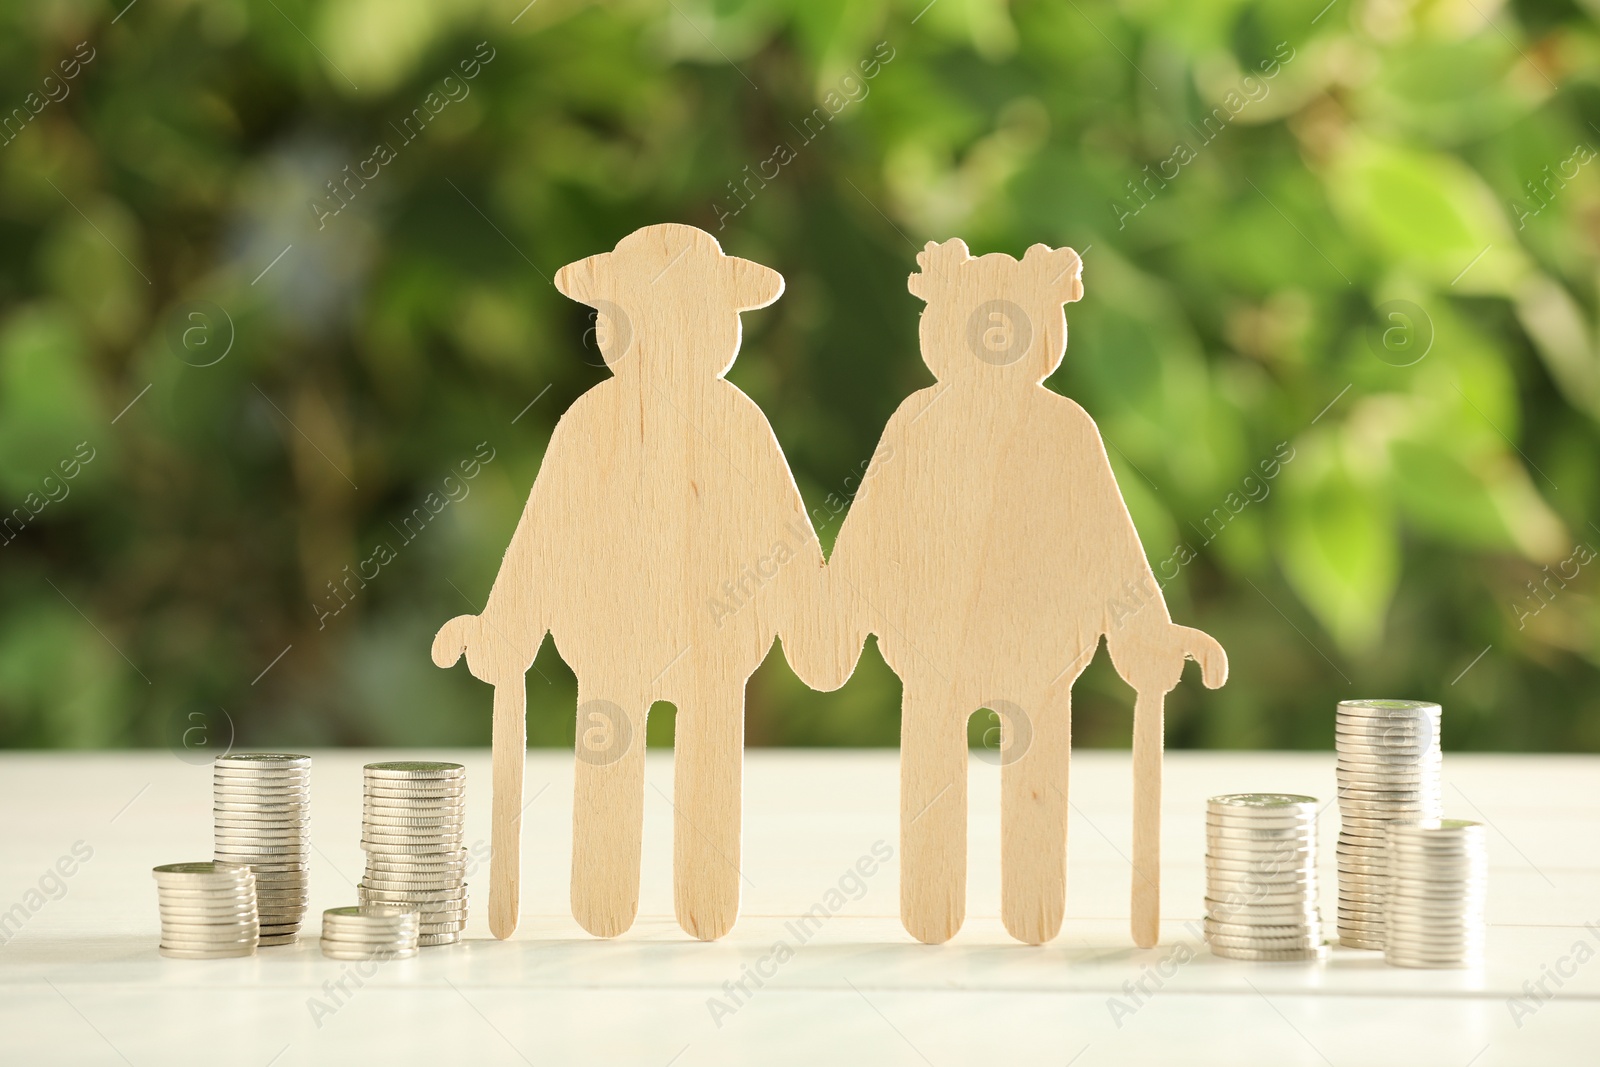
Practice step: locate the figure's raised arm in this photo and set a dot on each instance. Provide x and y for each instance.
(501, 642)
(1147, 648)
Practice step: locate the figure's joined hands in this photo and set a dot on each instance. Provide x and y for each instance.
(823, 645)
(1151, 661)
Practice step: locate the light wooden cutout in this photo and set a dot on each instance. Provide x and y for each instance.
(663, 546)
(989, 549)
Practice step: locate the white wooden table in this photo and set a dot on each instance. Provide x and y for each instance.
(80, 980)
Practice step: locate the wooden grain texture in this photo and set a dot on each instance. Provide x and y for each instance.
(663, 546)
(989, 549)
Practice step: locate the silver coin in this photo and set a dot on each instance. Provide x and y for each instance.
(1222, 909)
(402, 896)
(389, 932)
(414, 769)
(335, 953)
(1266, 834)
(433, 914)
(260, 849)
(285, 842)
(1265, 930)
(1249, 898)
(403, 817)
(191, 940)
(199, 872)
(389, 848)
(1448, 829)
(412, 884)
(190, 926)
(1220, 887)
(400, 835)
(1231, 941)
(394, 926)
(248, 949)
(1264, 868)
(1271, 955)
(260, 796)
(428, 888)
(403, 926)
(1275, 802)
(236, 891)
(231, 773)
(366, 915)
(206, 906)
(431, 940)
(413, 877)
(252, 784)
(449, 861)
(278, 863)
(1411, 941)
(1245, 945)
(378, 943)
(371, 810)
(258, 759)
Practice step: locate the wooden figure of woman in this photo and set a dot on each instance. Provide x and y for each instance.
(989, 549)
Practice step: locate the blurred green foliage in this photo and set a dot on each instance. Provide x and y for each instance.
(1363, 238)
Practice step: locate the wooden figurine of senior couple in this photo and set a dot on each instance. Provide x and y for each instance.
(989, 549)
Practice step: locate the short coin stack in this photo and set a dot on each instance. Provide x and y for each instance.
(208, 910)
(1388, 772)
(1438, 878)
(412, 828)
(1261, 877)
(261, 815)
(372, 931)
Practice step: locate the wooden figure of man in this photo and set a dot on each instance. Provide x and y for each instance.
(663, 546)
(989, 549)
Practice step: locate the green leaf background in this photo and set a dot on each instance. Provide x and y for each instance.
(1436, 158)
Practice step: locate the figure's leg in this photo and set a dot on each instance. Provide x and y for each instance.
(1033, 815)
(607, 812)
(933, 812)
(708, 773)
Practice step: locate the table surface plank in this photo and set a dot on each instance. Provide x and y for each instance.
(82, 982)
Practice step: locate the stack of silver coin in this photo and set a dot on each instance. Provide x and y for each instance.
(371, 931)
(261, 813)
(1261, 877)
(1438, 879)
(413, 831)
(1388, 771)
(208, 910)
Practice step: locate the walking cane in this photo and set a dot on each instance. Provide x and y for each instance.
(1148, 711)
(505, 842)
(508, 754)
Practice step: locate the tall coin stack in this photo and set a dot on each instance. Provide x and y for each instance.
(1261, 877)
(208, 910)
(413, 831)
(1388, 772)
(1438, 878)
(261, 816)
